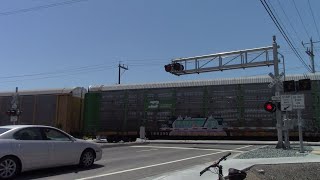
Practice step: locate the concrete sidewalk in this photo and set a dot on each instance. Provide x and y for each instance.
(193, 173)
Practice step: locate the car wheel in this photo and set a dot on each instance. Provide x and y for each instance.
(87, 158)
(9, 167)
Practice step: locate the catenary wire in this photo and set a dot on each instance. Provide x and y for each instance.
(267, 8)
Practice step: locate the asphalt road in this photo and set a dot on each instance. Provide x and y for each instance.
(141, 161)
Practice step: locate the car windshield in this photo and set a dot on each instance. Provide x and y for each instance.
(3, 130)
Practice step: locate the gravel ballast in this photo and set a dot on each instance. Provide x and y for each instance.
(286, 171)
(297, 171)
(272, 152)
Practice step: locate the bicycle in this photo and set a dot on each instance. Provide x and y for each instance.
(234, 174)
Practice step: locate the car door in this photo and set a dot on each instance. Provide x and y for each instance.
(63, 149)
(31, 148)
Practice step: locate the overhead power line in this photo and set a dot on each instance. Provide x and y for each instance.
(287, 69)
(300, 18)
(64, 71)
(315, 24)
(274, 19)
(57, 76)
(37, 8)
(281, 23)
(81, 69)
(288, 20)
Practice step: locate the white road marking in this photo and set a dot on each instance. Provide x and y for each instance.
(169, 162)
(187, 148)
(244, 147)
(148, 150)
(144, 167)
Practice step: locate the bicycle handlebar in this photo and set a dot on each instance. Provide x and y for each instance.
(223, 158)
(203, 171)
(215, 164)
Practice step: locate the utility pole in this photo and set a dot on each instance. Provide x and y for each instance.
(277, 92)
(310, 53)
(121, 67)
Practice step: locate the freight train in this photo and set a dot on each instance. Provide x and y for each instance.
(205, 109)
(62, 108)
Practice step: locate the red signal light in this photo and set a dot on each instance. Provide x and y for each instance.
(168, 67)
(270, 106)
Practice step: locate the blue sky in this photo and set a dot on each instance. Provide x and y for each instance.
(81, 44)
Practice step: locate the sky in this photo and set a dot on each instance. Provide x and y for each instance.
(81, 43)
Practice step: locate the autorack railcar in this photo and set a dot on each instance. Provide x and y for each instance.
(206, 109)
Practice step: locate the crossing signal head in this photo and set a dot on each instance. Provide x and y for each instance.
(304, 84)
(270, 106)
(173, 67)
(178, 67)
(289, 86)
(168, 67)
(12, 112)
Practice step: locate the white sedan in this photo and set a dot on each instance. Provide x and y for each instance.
(28, 147)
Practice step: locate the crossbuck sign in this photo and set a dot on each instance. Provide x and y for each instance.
(276, 80)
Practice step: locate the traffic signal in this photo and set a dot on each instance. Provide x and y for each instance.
(304, 84)
(289, 86)
(270, 106)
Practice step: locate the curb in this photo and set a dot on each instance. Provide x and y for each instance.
(231, 142)
(215, 143)
(111, 145)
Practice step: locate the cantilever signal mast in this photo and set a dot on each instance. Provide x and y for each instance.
(249, 58)
(242, 59)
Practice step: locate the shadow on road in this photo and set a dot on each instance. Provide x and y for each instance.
(44, 173)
